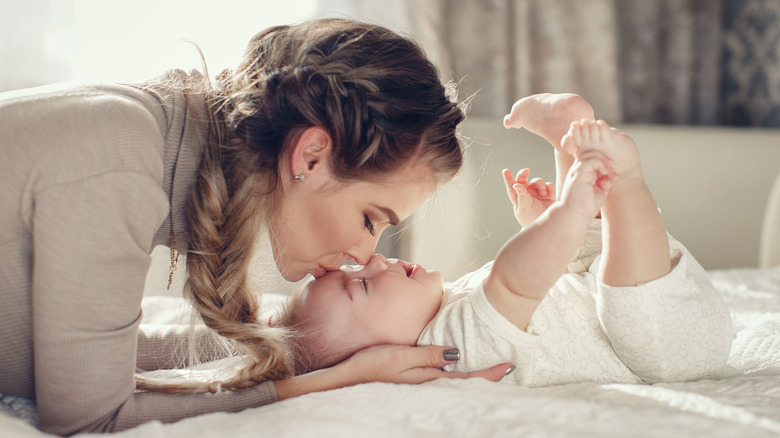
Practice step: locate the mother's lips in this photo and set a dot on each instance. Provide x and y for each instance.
(322, 270)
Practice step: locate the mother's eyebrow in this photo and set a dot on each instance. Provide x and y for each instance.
(391, 216)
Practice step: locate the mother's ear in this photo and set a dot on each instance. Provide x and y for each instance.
(310, 155)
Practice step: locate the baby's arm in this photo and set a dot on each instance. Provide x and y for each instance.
(530, 263)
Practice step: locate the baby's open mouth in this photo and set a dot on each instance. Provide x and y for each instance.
(408, 268)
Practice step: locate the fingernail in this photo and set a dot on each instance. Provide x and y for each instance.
(509, 370)
(451, 355)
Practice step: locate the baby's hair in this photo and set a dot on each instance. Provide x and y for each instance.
(313, 343)
(384, 106)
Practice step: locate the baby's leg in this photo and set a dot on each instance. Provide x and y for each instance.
(549, 116)
(635, 245)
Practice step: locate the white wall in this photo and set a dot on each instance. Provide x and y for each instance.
(47, 41)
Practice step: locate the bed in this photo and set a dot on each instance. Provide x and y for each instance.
(744, 402)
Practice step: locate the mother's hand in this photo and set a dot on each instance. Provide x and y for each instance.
(384, 363)
(401, 364)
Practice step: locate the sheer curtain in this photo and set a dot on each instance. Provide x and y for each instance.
(709, 62)
(662, 61)
(704, 62)
(504, 50)
(693, 62)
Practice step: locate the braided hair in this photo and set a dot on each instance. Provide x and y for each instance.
(383, 104)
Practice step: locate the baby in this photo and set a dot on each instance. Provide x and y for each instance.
(641, 310)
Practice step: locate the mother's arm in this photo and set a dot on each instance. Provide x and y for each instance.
(89, 272)
(383, 363)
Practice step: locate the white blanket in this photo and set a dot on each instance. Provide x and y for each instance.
(745, 404)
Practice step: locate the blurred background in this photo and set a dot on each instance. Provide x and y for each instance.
(687, 63)
(699, 62)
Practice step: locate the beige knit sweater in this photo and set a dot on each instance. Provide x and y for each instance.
(86, 174)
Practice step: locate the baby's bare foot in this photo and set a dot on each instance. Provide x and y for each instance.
(621, 149)
(548, 115)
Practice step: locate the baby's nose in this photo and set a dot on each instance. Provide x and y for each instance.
(378, 259)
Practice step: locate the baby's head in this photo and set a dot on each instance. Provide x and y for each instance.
(384, 302)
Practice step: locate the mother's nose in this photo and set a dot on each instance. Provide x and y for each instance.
(362, 251)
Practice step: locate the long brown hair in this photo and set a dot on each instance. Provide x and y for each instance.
(383, 104)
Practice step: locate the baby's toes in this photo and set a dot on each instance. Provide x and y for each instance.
(604, 129)
(593, 132)
(569, 143)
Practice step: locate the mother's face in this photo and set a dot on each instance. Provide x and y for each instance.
(323, 222)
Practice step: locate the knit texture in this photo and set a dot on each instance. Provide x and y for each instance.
(88, 181)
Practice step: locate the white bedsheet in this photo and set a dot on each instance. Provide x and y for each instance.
(746, 404)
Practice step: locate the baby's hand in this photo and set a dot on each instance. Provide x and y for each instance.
(589, 180)
(529, 198)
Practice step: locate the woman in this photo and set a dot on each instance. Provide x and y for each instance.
(328, 132)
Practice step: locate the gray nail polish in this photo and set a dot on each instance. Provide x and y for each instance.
(451, 355)
(509, 370)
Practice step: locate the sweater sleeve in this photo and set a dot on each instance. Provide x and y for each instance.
(91, 255)
(165, 346)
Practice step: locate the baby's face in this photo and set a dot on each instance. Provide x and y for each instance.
(384, 302)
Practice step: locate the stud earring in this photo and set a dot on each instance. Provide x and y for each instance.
(299, 177)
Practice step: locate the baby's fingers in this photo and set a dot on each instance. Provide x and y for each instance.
(601, 168)
(522, 176)
(509, 182)
(522, 194)
(508, 179)
(541, 190)
(550, 191)
(605, 182)
(539, 187)
(520, 180)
